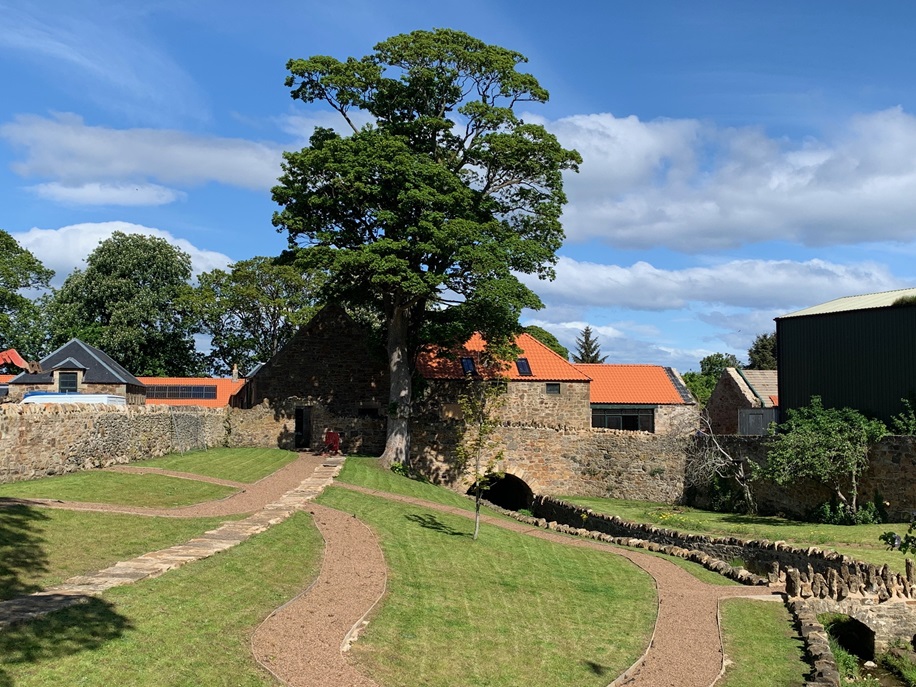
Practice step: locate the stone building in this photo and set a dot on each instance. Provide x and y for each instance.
(648, 398)
(744, 402)
(78, 368)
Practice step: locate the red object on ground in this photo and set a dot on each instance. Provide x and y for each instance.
(331, 443)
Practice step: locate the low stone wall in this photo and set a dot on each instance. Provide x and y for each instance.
(38, 440)
(822, 573)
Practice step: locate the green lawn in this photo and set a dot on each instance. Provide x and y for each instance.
(859, 541)
(367, 472)
(236, 464)
(41, 547)
(507, 610)
(190, 627)
(762, 645)
(119, 488)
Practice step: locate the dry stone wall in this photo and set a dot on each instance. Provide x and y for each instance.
(41, 440)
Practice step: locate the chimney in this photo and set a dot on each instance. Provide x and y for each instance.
(235, 373)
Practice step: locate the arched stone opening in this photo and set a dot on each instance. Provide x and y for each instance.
(508, 492)
(853, 635)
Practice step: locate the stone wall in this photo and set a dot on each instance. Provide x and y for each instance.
(730, 394)
(41, 440)
(891, 475)
(528, 403)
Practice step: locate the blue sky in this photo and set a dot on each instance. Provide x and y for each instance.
(741, 160)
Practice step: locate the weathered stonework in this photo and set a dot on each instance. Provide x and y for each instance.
(729, 395)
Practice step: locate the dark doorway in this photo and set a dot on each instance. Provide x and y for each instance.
(508, 492)
(303, 427)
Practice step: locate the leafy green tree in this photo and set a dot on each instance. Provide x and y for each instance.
(762, 353)
(133, 301)
(587, 348)
(829, 445)
(701, 384)
(548, 340)
(427, 214)
(714, 365)
(21, 325)
(253, 309)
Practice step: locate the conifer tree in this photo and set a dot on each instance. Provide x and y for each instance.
(587, 348)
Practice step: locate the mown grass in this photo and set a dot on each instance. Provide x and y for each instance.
(189, 627)
(505, 611)
(119, 488)
(858, 541)
(41, 547)
(367, 472)
(236, 464)
(762, 645)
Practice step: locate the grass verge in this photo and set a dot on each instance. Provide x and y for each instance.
(507, 610)
(858, 541)
(189, 627)
(761, 645)
(367, 472)
(236, 464)
(40, 547)
(119, 488)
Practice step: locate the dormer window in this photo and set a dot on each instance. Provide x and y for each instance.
(67, 382)
(467, 364)
(523, 367)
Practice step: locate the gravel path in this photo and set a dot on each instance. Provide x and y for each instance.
(686, 648)
(302, 642)
(251, 498)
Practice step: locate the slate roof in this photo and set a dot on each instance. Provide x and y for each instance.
(98, 366)
(634, 385)
(765, 383)
(866, 301)
(225, 388)
(546, 365)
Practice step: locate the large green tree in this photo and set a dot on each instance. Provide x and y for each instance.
(428, 213)
(20, 317)
(762, 353)
(133, 301)
(252, 310)
(702, 383)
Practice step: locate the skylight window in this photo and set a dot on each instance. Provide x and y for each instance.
(467, 364)
(523, 367)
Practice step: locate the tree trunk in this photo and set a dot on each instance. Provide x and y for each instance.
(397, 444)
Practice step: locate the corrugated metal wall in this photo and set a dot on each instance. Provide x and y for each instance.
(864, 359)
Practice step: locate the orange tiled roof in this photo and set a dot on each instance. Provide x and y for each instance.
(225, 388)
(545, 364)
(637, 384)
(5, 378)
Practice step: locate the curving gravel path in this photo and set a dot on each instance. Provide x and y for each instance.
(301, 643)
(686, 647)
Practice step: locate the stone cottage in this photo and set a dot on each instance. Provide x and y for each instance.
(78, 368)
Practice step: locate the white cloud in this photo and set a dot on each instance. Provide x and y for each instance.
(69, 151)
(694, 187)
(66, 248)
(108, 194)
(759, 284)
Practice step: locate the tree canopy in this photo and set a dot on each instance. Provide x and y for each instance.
(762, 353)
(702, 383)
(19, 316)
(253, 309)
(133, 301)
(587, 348)
(548, 340)
(428, 213)
(829, 445)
